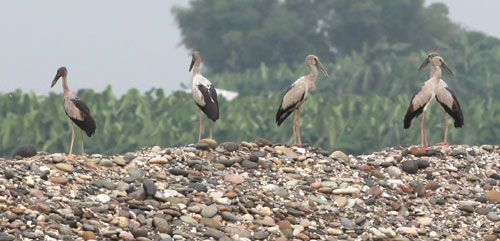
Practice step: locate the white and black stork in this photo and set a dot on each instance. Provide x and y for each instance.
(204, 94)
(75, 109)
(435, 87)
(297, 94)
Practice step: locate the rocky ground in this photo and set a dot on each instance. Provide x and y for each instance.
(253, 191)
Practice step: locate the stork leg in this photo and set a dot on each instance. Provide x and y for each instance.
(298, 126)
(425, 144)
(72, 137)
(445, 142)
(201, 124)
(293, 126)
(210, 126)
(81, 134)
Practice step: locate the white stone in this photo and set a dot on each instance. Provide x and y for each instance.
(103, 198)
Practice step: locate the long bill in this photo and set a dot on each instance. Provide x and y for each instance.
(191, 65)
(425, 63)
(322, 69)
(55, 80)
(445, 66)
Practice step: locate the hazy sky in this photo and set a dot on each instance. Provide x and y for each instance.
(122, 43)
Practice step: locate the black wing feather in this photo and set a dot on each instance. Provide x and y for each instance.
(88, 123)
(282, 114)
(211, 108)
(411, 113)
(455, 112)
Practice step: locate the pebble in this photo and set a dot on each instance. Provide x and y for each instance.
(394, 171)
(88, 235)
(493, 196)
(64, 167)
(339, 155)
(257, 191)
(230, 146)
(209, 211)
(234, 179)
(493, 216)
(103, 198)
(410, 166)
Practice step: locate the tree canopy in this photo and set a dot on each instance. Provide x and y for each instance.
(236, 35)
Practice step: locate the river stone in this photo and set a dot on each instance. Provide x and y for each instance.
(209, 211)
(25, 151)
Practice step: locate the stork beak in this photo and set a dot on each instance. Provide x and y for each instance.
(191, 65)
(55, 80)
(322, 69)
(425, 63)
(445, 66)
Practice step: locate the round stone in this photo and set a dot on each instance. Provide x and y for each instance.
(410, 166)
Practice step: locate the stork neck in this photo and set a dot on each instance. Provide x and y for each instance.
(313, 74)
(196, 67)
(436, 72)
(65, 85)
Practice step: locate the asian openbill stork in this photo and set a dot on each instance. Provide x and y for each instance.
(204, 94)
(297, 94)
(75, 109)
(434, 87)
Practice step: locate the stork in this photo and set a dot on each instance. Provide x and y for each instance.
(297, 94)
(204, 94)
(435, 87)
(75, 109)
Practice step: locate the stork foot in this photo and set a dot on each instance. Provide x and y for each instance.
(425, 148)
(444, 143)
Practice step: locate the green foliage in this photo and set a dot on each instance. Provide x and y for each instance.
(353, 123)
(236, 35)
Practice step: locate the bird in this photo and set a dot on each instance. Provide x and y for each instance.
(297, 93)
(204, 94)
(435, 87)
(75, 109)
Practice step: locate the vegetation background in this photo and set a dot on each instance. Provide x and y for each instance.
(371, 48)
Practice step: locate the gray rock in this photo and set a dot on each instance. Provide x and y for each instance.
(228, 216)
(179, 172)
(149, 187)
(249, 164)
(129, 156)
(261, 235)
(139, 232)
(230, 146)
(209, 211)
(347, 223)
(66, 230)
(493, 216)
(136, 173)
(422, 164)
(199, 187)
(410, 166)
(201, 146)
(214, 233)
(9, 174)
(25, 151)
(189, 149)
(106, 163)
(88, 227)
(226, 162)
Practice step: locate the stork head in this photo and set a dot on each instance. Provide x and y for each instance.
(313, 60)
(61, 72)
(195, 59)
(439, 61)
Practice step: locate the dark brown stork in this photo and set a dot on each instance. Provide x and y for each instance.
(204, 94)
(297, 94)
(75, 109)
(435, 87)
